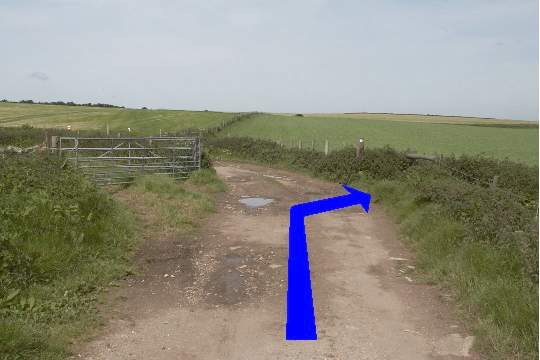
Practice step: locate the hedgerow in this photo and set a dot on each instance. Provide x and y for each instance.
(61, 239)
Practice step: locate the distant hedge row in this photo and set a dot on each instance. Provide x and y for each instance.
(26, 135)
(64, 103)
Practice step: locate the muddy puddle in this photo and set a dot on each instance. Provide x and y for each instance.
(255, 202)
(228, 287)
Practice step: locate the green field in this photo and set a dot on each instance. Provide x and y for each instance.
(515, 140)
(501, 140)
(434, 119)
(147, 122)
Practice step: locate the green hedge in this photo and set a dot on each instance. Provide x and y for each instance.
(61, 239)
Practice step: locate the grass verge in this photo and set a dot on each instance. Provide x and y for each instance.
(493, 292)
(177, 207)
(62, 241)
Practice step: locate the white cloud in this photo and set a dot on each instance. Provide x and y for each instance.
(39, 76)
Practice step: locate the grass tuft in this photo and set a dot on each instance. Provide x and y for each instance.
(180, 205)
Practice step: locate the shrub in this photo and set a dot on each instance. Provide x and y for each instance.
(27, 135)
(61, 238)
(515, 177)
(340, 165)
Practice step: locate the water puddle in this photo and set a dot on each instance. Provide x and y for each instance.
(227, 284)
(254, 202)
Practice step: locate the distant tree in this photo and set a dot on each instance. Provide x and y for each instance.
(144, 108)
(3, 100)
(299, 115)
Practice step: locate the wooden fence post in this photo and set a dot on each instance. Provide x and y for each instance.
(360, 149)
(494, 181)
(326, 147)
(300, 144)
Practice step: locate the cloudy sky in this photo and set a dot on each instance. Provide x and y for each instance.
(468, 57)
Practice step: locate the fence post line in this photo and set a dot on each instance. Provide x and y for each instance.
(312, 144)
(300, 144)
(107, 128)
(360, 149)
(326, 147)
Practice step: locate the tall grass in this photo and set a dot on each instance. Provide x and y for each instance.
(180, 205)
(492, 284)
(61, 241)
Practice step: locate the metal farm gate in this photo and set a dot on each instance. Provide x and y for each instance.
(117, 160)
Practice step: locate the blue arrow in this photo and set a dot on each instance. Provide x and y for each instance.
(300, 311)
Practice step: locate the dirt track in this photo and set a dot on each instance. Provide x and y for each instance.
(221, 294)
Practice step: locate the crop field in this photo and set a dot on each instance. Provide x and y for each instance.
(434, 119)
(505, 139)
(144, 122)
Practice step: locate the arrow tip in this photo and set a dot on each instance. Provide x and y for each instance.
(363, 198)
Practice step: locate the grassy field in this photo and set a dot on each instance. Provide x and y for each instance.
(146, 122)
(434, 119)
(518, 143)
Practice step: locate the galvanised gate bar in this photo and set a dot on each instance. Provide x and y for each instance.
(118, 160)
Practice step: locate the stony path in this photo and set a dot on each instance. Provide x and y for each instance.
(221, 294)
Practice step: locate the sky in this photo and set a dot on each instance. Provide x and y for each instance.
(455, 57)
